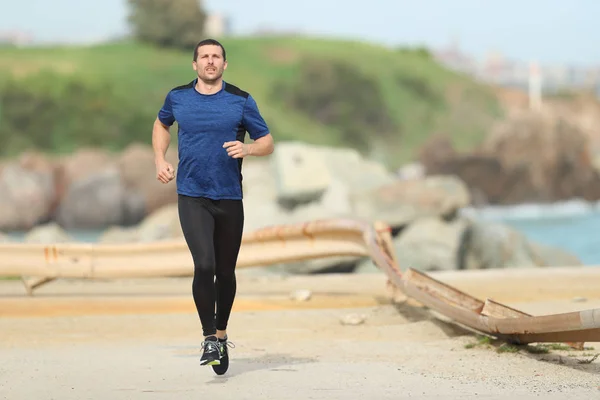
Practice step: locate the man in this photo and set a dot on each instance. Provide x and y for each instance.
(213, 117)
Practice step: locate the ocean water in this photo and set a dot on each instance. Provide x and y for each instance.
(572, 226)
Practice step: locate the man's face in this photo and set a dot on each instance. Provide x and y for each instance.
(210, 63)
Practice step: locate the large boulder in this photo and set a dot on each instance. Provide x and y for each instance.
(162, 224)
(79, 165)
(496, 245)
(304, 172)
(138, 172)
(27, 196)
(554, 152)
(47, 234)
(431, 244)
(404, 201)
(529, 157)
(93, 193)
(354, 171)
(261, 206)
(301, 173)
(98, 200)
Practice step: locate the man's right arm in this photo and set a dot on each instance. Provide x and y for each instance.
(161, 138)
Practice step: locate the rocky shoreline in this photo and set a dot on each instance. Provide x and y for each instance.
(119, 195)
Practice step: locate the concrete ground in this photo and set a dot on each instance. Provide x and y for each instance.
(139, 339)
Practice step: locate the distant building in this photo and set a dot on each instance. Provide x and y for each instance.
(15, 38)
(497, 69)
(216, 25)
(452, 57)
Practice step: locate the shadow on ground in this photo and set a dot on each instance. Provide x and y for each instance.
(276, 362)
(414, 313)
(273, 362)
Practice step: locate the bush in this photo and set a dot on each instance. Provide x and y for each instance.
(336, 94)
(63, 115)
(168, 23)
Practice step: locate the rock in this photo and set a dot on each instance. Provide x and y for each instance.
(484, 175)
(411, 172)
(496, 245)
(138, 171)
(26, 197)
(355, 172)
(160, 225)
(402, 202)
(95, 201)
(118, 234)
(259, 180)
(366, 266)
(326, 265)
(47, 234)
(435, 153)
(563, 167)
(45, 166)
(301, 173)
(301, 295)
(80, 165)
(134, 208)
(260, 195)
(529, 157)
(353, 319)
(551, 256)
(305, 172)
(336, 199)
(431, 244)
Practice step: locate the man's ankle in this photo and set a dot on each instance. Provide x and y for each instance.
(221, 335)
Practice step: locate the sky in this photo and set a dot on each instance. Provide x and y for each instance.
(549, 31)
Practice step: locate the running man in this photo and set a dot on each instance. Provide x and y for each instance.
(213, 117)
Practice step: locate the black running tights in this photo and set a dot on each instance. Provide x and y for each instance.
(213, 232)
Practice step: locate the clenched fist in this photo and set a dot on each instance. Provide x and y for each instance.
(236, 149)
(164, 171)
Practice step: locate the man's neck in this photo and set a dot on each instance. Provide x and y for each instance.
(209, 88)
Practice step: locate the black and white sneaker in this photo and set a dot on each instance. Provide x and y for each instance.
(212, 351)
(223, 366)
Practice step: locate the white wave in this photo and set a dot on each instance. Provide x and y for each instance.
(567, 209)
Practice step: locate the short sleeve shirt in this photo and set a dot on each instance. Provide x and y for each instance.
(205, 123)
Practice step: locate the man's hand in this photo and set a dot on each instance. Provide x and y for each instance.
(236, 149)
(164, 171)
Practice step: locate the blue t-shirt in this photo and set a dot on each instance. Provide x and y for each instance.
(205, 122)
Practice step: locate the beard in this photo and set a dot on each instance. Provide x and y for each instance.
(212, 78)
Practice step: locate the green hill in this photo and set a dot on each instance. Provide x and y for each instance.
(382, 101)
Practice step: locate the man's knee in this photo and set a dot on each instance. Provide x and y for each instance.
(204, 269)
(226, 277)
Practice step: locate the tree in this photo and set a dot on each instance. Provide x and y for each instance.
(168, 23)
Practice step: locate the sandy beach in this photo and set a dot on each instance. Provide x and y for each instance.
(139, 339)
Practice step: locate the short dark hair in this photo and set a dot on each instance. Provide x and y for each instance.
(206, 42)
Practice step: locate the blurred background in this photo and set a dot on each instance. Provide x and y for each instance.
(472, 128)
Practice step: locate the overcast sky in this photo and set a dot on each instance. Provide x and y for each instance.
(551, 31)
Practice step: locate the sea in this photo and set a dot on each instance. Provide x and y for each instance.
(570, 225)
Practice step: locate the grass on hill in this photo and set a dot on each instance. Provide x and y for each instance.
(60, 98)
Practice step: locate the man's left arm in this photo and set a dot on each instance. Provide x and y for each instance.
(263, 146)
(257, 129)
